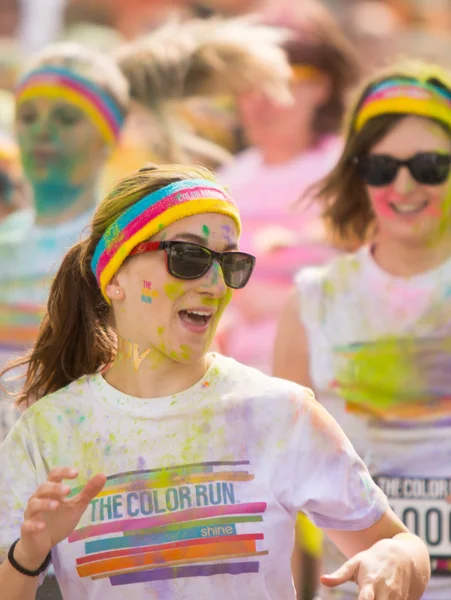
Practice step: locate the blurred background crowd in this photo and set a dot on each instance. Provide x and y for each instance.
(267, 153)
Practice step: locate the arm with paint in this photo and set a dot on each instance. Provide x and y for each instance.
(385, 559)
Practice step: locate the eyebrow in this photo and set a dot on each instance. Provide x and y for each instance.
(199, 239)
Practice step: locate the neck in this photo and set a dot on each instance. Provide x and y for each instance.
(150, 374)
(60, 203)
(285, 147)
(404, 260)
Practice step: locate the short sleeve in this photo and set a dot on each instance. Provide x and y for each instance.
(332, 484)
(18, 481)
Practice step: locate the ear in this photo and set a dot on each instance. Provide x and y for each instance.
(114, 290)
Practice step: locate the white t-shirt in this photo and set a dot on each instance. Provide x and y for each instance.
(203, 487)
(380, 350)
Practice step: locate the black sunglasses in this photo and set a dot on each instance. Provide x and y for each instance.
(428, 168)
(186, 260)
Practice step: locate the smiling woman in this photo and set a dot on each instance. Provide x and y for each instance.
(187, 469)
(371, 331)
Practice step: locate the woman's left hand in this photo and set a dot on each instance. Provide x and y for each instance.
(383, 572)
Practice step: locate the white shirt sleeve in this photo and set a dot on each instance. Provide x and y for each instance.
(332, 485)
(18, 481)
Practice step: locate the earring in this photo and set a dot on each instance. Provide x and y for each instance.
(117, 292)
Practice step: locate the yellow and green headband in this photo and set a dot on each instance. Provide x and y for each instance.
(405, 96)
(151, 214)
(59, 83)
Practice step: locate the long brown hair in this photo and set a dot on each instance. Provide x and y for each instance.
(76, 337)
(346, 205)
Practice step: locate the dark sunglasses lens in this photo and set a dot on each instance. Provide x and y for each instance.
(430, 168)
(377, 170)
(237, 268)
(189, 261)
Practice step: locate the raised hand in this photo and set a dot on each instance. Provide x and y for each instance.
(50, 516)
(384, 572)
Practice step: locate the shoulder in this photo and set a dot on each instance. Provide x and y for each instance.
(238, 168)
(63, 406)
(276, 397)
(342, 269)
(315, 286)
(15, 228)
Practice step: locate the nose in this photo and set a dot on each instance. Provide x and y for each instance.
(404, 182)
(213, 281)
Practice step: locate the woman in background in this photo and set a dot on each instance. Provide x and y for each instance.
(292, 146)
(371, 331)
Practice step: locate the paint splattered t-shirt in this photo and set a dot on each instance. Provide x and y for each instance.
(380, 356)
(28, 262)
(203, 487)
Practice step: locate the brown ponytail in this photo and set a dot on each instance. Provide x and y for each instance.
(75, 337)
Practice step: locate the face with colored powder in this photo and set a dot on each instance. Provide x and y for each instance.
(62, 150)
(406, 210)
(171, 317)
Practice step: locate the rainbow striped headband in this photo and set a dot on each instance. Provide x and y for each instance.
(59, 83)
(151, 214)
(403, 96)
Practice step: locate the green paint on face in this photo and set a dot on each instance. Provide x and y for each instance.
(174, 290)
(210, 302)
(205, 231)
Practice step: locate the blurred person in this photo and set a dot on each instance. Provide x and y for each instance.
(370, 332)
(71, 105)
(15, 212)
(292, 146)
(153, 468)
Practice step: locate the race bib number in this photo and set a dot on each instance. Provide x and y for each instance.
(424, 506)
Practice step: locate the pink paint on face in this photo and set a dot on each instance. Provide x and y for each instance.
(384, 198)
(381, 202)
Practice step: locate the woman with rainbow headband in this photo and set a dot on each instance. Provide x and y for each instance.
(72, 103)
(150, 467)
(370, 333)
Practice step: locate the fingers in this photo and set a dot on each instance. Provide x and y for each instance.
(91, 489)
(52, 491)
(367, 593)
(61, 473)
(346, 572)
(48, 497)
(37, 505)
